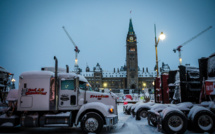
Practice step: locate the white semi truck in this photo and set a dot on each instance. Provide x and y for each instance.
(47, 98)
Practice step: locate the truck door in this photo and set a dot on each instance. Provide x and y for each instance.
(67, 93)
(26, 101)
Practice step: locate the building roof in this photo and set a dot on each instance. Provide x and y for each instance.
(131, 29)
(87, 74)
(3, 70)
(120, 74)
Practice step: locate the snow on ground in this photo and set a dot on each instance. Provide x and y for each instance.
(3, 108)
(126, 125)
(7, 124)
(129, 125)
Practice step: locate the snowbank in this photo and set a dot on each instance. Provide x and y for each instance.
(12, 95)
(144, 105)
(168, 110)
(195, 110)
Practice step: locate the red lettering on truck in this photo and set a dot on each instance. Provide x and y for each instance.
(35, 91)
(99, 96)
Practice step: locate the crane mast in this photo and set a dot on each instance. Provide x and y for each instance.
(76, 49)
(186, 42)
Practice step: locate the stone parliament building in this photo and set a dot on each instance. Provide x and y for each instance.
(128, 76)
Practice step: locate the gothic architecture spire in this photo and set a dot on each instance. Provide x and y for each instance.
(128, 76)
(131, 29)
(131, 58)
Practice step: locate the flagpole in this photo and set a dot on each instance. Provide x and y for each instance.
(130, 13)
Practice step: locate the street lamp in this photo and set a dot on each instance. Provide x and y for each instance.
(105, 85)
(13, 83)
(161, 37)
(144, 85)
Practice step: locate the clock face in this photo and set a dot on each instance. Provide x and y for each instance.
(131, 38)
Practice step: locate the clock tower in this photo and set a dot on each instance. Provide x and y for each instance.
(131, 58)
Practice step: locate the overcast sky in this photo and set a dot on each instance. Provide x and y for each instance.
(31, 32)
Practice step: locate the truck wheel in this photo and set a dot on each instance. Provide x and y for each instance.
(203, 121)
(132, 112)
(142, 113)
(129, 111)
(153, 119)
(92, 122)
(175, 123)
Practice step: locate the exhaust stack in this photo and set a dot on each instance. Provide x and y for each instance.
(67, 69)
(56, 83)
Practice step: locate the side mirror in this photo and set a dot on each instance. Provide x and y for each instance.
(87, 86)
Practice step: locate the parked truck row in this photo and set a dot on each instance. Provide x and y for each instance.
(184, 99)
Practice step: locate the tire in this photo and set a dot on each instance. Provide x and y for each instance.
(132, 113)
(204, 121)
(153, 119)
(92, 123)
(129, 111)
(126, 111)
(142, 113)
(174, 122)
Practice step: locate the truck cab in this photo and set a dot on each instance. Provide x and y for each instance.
(59, 98)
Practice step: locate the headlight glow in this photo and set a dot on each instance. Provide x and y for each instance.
(111, 110)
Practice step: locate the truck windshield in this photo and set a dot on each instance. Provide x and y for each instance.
(83, 85)
(67, 85)
(90, 88)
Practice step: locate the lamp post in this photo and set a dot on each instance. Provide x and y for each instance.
(161, 37)
(13, 83)
(105, 85)
(144, 84)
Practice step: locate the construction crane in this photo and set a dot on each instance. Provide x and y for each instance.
(76, 49)
(180, 46)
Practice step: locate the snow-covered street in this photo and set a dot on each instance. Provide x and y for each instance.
(126, 125)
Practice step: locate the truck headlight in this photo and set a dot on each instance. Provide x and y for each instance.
(111, 110)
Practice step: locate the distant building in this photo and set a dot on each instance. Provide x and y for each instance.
(128, 76)
(5, 83)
